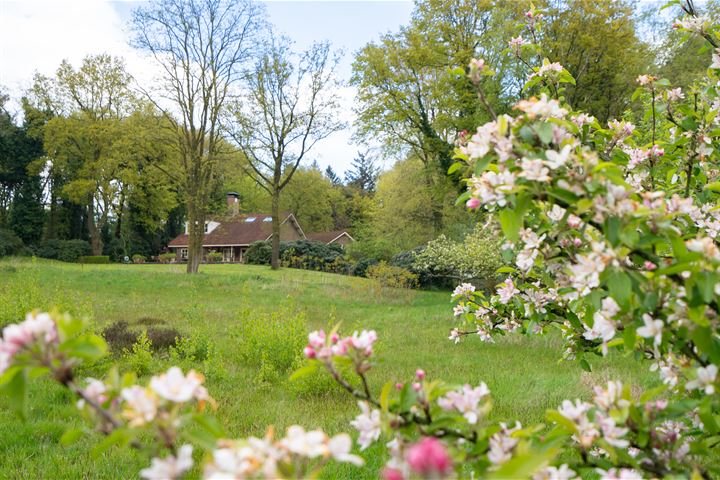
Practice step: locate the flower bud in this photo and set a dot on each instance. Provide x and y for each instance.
(420, 374)
(309, 352)
(472, 203)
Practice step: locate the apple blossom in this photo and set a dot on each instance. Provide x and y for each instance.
(429, 458)
(705, 380)
(141, 405)
(170, 467)
(466, 400)
(652, 329)
(368, 424)
(176, 387)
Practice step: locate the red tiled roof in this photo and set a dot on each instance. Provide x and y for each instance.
(327, 237)
(235, 231)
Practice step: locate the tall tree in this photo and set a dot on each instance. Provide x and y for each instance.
(363, 173)
(288, 106)
(90, 103)
(332, 176)
(202, 47)
(598, 44)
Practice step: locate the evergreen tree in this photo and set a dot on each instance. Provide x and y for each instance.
(332, 176)
(363, 174)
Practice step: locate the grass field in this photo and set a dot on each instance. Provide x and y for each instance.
(523, 373)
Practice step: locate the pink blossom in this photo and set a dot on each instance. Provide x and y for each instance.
(316, 339)
(392, 474)
(309, 352)
(429, 457)
(473, 203)
(420, 374)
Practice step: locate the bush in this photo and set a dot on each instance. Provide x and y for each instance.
(475, 259)
(198, 352)
(139, 359)
(392, 277)
(138, 258)
(10, 244)
(214, 257)
(63, 250)
(360, 268)
(119, 336)
(167, 257)
(258, 253)
(274, 339)
(163, 338)
(96, 259)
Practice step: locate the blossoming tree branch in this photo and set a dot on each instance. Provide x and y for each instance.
(611, 240)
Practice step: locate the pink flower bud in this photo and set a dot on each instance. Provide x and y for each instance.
(309, 352)
(577, 242)
(399, 386)
(429, 457)
(650, 265)
(420, 374)
(392, 474)
(473, 203)
(417, 387)
(334, 338)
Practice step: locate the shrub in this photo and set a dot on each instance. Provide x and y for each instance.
(214, 257)
(94, 259)
(166, 257)
(360, 268)
(392, 277)
(198, 351)
(119, 336)
(10, 244)
(475, 259)
(163, 338)
(258, 253)
(139, 359)
(276, 338)
(315, 384)
(71, 250)
(139, 258)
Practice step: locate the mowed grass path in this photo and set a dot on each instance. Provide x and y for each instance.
(523, 373)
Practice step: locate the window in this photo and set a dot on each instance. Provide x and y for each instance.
(183, 254)
(207, 225)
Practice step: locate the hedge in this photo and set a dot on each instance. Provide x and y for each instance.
(97, 259)
(63, 250)
(10, 244)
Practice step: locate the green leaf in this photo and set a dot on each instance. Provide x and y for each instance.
(620, 287)
(385, 396)
(16, 391)
(304, 371)
(455, 167)
(119, 437)
(544, 131)
(71, 436)
(511, 223)
(524, 465)
(87, 347)
(585, 365)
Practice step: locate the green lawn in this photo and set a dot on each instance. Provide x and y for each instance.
(523, 374)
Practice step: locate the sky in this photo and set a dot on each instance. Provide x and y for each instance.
(36, 35)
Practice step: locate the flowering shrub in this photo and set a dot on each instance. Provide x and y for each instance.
(611, 240)
(476, 258)
(391, 276)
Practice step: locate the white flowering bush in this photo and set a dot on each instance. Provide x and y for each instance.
(611, 240)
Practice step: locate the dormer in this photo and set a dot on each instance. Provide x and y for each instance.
(209, 226)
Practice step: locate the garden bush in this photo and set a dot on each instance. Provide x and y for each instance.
(444, 262)
(163, 338)
(10, 244)
(258, 253)
(361, 266)
(392, 277)
(167, 257)
(119, 336)
(214, 257)
(94, 259)
(138, 258)
(63, 250)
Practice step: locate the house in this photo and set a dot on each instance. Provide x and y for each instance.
(339, 237)
(233, 234)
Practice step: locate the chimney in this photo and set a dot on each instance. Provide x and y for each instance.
(233, 203)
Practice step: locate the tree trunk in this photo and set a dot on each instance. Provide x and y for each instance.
(96, 244)
(275, 256)
(196, 235)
